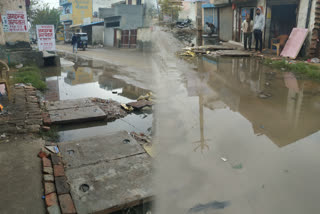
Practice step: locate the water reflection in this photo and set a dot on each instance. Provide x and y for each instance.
(287, 116)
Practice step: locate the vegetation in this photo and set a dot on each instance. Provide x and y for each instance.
(43, 15)
(32, 75)
(169, 8)
(51, 135)
(304, 69)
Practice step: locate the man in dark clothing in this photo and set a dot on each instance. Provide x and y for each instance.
(212, 28)
(74, 42)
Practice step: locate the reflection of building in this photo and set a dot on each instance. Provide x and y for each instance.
(80, 76)
(289, 115)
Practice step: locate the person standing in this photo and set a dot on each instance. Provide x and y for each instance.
(74, 42)
(258, 27)
(212, 28)
(247, 27)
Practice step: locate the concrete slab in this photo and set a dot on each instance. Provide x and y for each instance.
(99, 149)
(140, 104)
(66, 104)
(79, 114)
(233, 53)
(110, 186)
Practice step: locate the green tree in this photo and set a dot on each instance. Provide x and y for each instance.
(170, 8)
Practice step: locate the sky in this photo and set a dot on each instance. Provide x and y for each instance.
(52, 3)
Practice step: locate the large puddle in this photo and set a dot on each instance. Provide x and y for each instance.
(79, 78)
(229, 149)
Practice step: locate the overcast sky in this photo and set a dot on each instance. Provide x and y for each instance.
(52, 3)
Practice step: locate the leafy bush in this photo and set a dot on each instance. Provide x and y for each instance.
(32, 75)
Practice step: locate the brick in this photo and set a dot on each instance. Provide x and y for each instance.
(61, 185)
(48, 170)
(51, 199)
(48, 178)
(58, 170)
(46, 162)
(49, 188)
(45, 128)
(66, 204)
(54, 209)
(56, 160)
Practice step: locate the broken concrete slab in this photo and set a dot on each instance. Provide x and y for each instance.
(112, 108)
(66, 104)
(140, 104)
(99, 149)
(79, 114)
(111, 185)
(233, 53)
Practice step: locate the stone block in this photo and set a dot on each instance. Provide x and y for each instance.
(49, 188)
(46, 162)
(55, 209)
(58, 170)
(61, 185)
(56, 160)
(51, 199)
(48, 178)
(48, 170)
(66, 204)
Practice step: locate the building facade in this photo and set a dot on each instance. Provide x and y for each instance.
(281, 16)
(125, 25)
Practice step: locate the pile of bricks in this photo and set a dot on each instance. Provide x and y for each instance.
(56, 188)
(24, 113)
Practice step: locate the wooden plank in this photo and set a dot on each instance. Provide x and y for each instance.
(294, 43)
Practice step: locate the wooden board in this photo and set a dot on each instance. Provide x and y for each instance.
(294, 43)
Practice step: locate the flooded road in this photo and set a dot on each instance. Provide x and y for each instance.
(224, 148)
(79, 78)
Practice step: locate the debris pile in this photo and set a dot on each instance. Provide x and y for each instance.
(213, 50)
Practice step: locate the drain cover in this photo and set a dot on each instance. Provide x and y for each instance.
(84, 187)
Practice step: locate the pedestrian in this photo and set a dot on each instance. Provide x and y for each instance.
(247, 28)
(74, 42)
(212, 28)
(258, 27)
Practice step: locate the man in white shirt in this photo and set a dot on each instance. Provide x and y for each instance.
(258, 27)
(247, 28)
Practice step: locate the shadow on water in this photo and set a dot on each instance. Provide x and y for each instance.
(90, 78)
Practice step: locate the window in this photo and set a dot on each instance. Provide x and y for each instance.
(112, 24)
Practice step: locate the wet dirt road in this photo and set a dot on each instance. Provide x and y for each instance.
(223, 149)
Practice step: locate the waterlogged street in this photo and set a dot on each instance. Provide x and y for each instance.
(234, 136)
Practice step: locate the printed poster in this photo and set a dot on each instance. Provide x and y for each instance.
(5, 23)
(46, 37)
(17, 21)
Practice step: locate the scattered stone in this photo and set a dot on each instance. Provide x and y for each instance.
(46, 162)
(61, 185)
(56, 160)
(51, 199)
(3, 136)
(140, 104)
(264, 95)
(47, 170)
(49, 188)
(45, 128)
(34, 128)
(66, 204)
(58, 170)
(54, 209)
(42, 154)
(48, 178)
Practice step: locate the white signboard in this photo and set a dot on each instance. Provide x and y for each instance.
(46, 38)
(17, 21)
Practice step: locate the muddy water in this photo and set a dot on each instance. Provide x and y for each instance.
(222, 149)
(78, 78)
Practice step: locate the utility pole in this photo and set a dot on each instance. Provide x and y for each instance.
(199, 22)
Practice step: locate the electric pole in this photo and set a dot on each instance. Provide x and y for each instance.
(199, 22)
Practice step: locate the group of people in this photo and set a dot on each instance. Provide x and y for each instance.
(256, 27)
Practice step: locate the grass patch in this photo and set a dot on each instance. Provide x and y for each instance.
(32, 75)
(51, 135)
(304, 69)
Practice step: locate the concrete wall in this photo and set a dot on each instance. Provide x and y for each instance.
(131, 16)
(81, 9)
(102, 4)
(189, 9)
(97, 34)
(144, 38)
(108, 37)
(10, 36)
